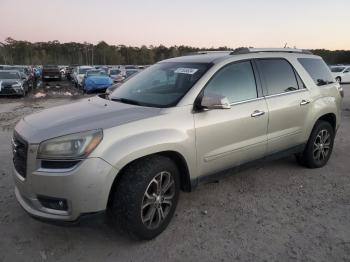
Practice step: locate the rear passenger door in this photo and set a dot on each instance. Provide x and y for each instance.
(288, 102)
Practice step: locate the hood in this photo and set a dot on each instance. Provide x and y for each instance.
(9, 81)
(98, 80)
(88, 114)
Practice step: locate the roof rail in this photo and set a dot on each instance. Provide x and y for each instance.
(244, 50)
(205, 52)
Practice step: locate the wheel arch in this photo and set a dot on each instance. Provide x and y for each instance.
(179, 160)
(330, 118)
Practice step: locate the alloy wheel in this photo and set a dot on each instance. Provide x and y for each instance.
(321, 147)
(157, 200)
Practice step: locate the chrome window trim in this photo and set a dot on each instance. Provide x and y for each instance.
(287, 93)
(247, 101)
(269, 96)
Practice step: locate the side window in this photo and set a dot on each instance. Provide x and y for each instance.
(318, 70)
(278, 74)
(235, 81)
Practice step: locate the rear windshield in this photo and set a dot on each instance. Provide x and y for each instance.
(161, 85)
(318, 70)
(83, 70)
(115, 72)
(50, 67)
(130, 72)
(95, 72)
(337, 69)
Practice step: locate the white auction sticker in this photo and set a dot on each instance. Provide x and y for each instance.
(188, 71)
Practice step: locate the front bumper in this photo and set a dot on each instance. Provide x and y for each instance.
(57, 76)
(86, 189)
(11, 91)
(96, 87)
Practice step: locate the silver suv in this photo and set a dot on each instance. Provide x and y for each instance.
(179, 123)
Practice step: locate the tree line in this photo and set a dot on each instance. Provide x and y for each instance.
(53, 52)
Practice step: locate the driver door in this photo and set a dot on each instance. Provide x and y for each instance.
(230, 137)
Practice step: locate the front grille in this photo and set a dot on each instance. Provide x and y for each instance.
(8, 91)
(20, 150)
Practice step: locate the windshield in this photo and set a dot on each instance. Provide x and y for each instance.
(17, 68)
(115, 72)
(95, 73)
(130, 72)
(83, 70)
(50, 67)
(337, 69)
(161, 85)
(9, 75)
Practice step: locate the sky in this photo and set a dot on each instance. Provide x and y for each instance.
(307, 24)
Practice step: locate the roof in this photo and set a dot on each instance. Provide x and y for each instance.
(10, 71)
(217, 56)
(199, 58)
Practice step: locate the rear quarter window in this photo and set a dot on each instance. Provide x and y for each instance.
(318, 70)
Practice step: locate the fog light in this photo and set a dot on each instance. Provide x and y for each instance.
(53, 203)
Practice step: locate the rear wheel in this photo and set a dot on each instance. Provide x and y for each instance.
(338, 79)
(146, 196)
(319, 147)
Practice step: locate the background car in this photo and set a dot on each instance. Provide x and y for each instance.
(96, 80)
(341, 73)
(113, 87)
(116, 74)
(51, 72)
(11, 83)
(25, 73)
(79, 73)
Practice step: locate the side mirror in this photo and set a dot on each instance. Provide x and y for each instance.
(215, 101)
(347, 71)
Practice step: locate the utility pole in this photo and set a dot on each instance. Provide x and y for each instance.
(92, 54)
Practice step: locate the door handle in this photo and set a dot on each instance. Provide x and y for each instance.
(257, 113)
(304, 102)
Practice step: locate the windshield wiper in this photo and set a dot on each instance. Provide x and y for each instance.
(126, 101)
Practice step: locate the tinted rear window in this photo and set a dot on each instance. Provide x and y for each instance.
(337, 69)
(278, 75)
(318, 70)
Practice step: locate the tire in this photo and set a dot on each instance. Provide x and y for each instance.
(318, 150)
(338, 79)
(130, 195)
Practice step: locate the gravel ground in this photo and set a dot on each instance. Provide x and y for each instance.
(273, 211)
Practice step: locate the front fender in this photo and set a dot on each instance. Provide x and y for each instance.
(124, 151)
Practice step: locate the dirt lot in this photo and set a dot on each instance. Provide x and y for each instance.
(273, 211)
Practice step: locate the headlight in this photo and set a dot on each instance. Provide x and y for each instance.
(78, 145)
(17, 85)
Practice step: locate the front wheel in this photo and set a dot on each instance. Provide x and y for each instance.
(145, 198)
(319, 147)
